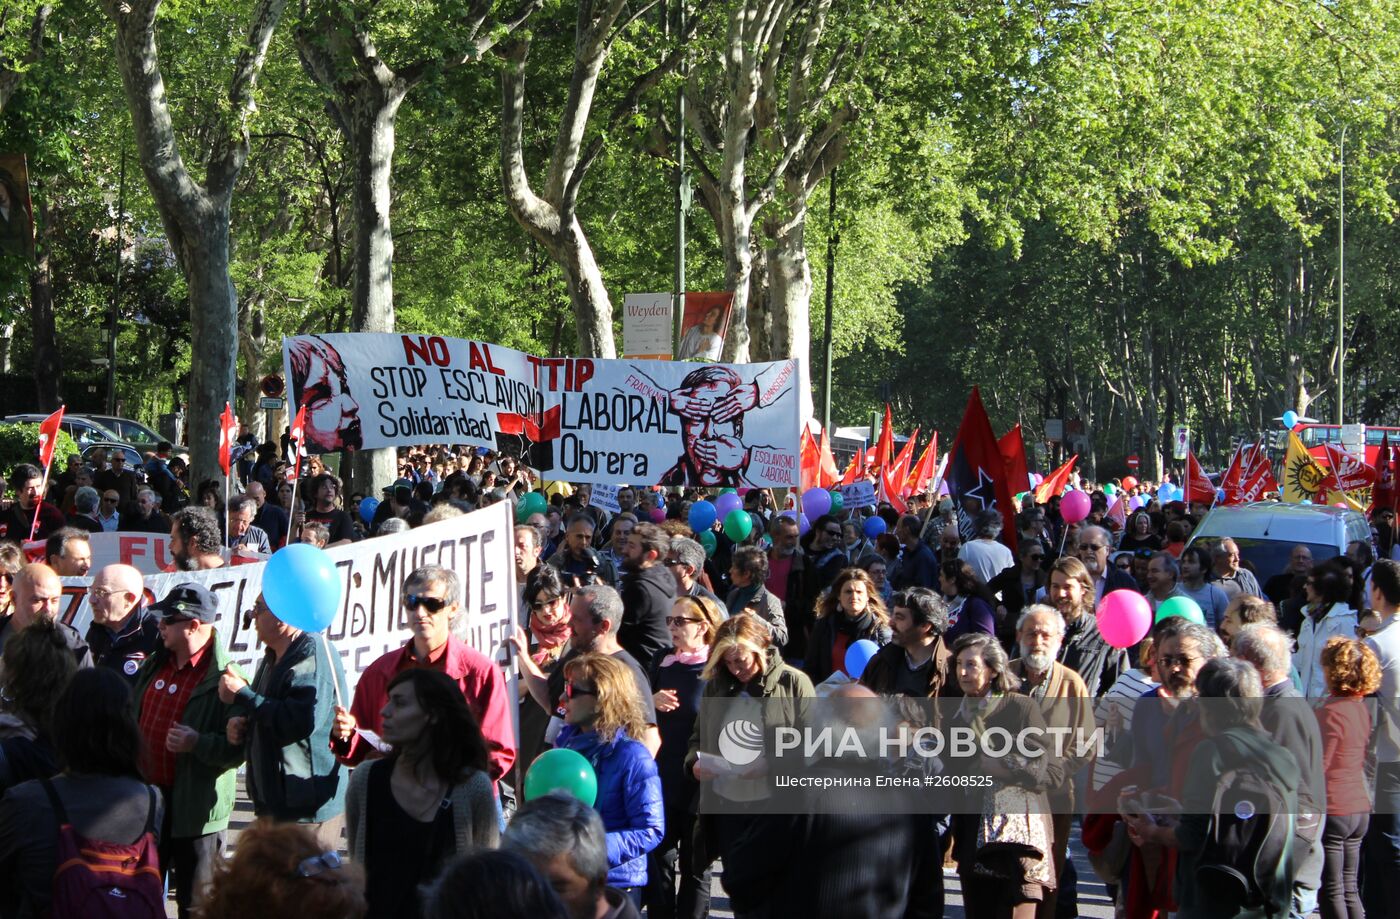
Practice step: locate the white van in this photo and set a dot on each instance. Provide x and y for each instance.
(1267, 531)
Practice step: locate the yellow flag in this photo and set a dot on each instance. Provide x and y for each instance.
(1303, 476)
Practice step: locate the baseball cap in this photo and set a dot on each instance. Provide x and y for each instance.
(191, 600)
(399, 483)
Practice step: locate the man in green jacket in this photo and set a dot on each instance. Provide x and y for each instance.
(185, 728)
(293, 775)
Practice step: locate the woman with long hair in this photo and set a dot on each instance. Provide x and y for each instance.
(430, 799)
(971, 607)
(603, 722)
(38, 666)
(677, 679)
(849, 612)
(1138, 534)
(1326, 615)
(100, 791)
(210, 494)
(538, 651)
(1353, 672)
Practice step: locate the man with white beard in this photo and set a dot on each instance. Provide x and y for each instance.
(1065, 703)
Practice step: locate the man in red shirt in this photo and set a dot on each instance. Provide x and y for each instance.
(28, 480)
(432, 598)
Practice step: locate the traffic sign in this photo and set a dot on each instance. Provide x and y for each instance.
(1133, 461)
(271, 403)
(1181, 441)
(272, 386)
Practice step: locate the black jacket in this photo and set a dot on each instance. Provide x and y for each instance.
(1086, 653)
(817, 663)
(125, 652)
(647, 597)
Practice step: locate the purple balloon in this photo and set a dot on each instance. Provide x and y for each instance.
(816, 502)
(803, 524)
(658, 515)
(726, 503)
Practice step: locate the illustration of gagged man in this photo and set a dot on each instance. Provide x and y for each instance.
(711, 402)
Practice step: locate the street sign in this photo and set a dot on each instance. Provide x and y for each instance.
(272, 386)
(1181, 441)
(1054, 430)
(271, 403)
(1134, 461)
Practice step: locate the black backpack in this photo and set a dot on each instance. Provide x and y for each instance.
(1249, 837)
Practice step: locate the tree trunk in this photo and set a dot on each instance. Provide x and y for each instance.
(213, 325)
(588, 295)
(737, 234)
(790, 292)
(48, 369)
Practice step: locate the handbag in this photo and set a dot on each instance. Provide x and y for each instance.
(1013, 838)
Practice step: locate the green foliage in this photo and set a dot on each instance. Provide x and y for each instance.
(19, 443)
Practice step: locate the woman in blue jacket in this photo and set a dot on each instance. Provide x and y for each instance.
(603, 715)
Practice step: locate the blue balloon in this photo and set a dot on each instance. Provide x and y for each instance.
(1164, 492)
(301, 587)
(1290, 418)
(874, 526)
(702, 516)
(858, 655)
(367, 508)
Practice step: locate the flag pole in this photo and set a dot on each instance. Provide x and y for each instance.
(335, 681)
(934, 485)
(39, 504)
(228, 528)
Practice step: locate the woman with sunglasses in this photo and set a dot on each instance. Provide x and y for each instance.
(603, 719)
(408, 814)
(539, 651)
(677, 679)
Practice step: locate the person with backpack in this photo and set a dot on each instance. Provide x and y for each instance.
(35, 667)
(50, 830)
(1234, 837)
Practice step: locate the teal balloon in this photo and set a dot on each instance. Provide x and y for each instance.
(562, 770)
(738, 525)
(707, 539)
(838, 502)
(301, 587)
(1110, 490)
(1184, 607)
(533, 503)
(729, 491)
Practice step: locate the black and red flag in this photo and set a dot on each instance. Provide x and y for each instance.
(976, 474)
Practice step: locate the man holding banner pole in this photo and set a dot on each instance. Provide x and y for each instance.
(30, 512)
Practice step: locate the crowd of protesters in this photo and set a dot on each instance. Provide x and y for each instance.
(404, 799)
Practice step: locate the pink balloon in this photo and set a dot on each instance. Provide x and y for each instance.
(1124, 618)
(658, 515)
(1074, 506)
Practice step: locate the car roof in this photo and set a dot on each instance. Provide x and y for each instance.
(1284, 522)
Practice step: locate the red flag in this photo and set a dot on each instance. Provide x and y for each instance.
(902, 462)
(1233, 477)
(295, 436)
(922, 475)
(827, 473)
(884, 447)
(1198, 487)
(1013, 453)
(1118, 513)
(976, 473)
(810, 459)
(1055, 482)
(1261, 480)
(1383, 493)
(853, 469)
(1351, 473)
(48, 438)
(228, 429)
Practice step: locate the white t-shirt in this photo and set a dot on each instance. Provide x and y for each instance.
(987, 557)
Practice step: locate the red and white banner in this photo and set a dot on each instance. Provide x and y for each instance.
(228, 430)
(1351, 472)
(48, 437)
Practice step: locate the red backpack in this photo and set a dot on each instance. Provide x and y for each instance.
(104, 880)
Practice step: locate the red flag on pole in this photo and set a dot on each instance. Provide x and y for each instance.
(1261, 480)
(1055, 482)
(1118, 513)
(827, 474)
(295, 436)
(1233, 477)
(884, 447)
(853, 469)
(1198, 487)
(1351, 473)
(922, 475)
(48, 437)
(1013, 453)
(810, 459)
(228, 429)
(1383, 492)
(900, 468)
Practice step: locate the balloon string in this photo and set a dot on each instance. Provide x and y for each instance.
(335, 680)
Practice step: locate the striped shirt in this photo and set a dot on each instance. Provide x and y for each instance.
(1122, 695)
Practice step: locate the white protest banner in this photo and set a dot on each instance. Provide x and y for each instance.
(578, 419)
(148, 553)
(605, 497)
(372, 620)
(859, 494)
(647, 325)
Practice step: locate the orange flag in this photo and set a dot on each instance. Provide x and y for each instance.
(810, 459)
(1055, 482)
(884, 447)
(922, 475)
(827, 473)
(854, 469)
(899, 471)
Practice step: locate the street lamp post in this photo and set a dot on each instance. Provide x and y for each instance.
(1341, 274)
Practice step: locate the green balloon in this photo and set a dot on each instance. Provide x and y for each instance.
(1184, 607)
(729, 491)
(533, 503)
(562, 770)
(707, 539)
(1110, 490)
(838, 502)
(738, 525)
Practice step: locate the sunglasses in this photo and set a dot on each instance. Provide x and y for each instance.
(573, 689)
(681, 620)
(319, 864)
(537, 605)
(431, 604)
(832, 532)
(1090, 547)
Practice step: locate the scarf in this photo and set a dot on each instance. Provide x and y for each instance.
(861, 625)
(699, 656)
(745, 597)
(549, 637)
